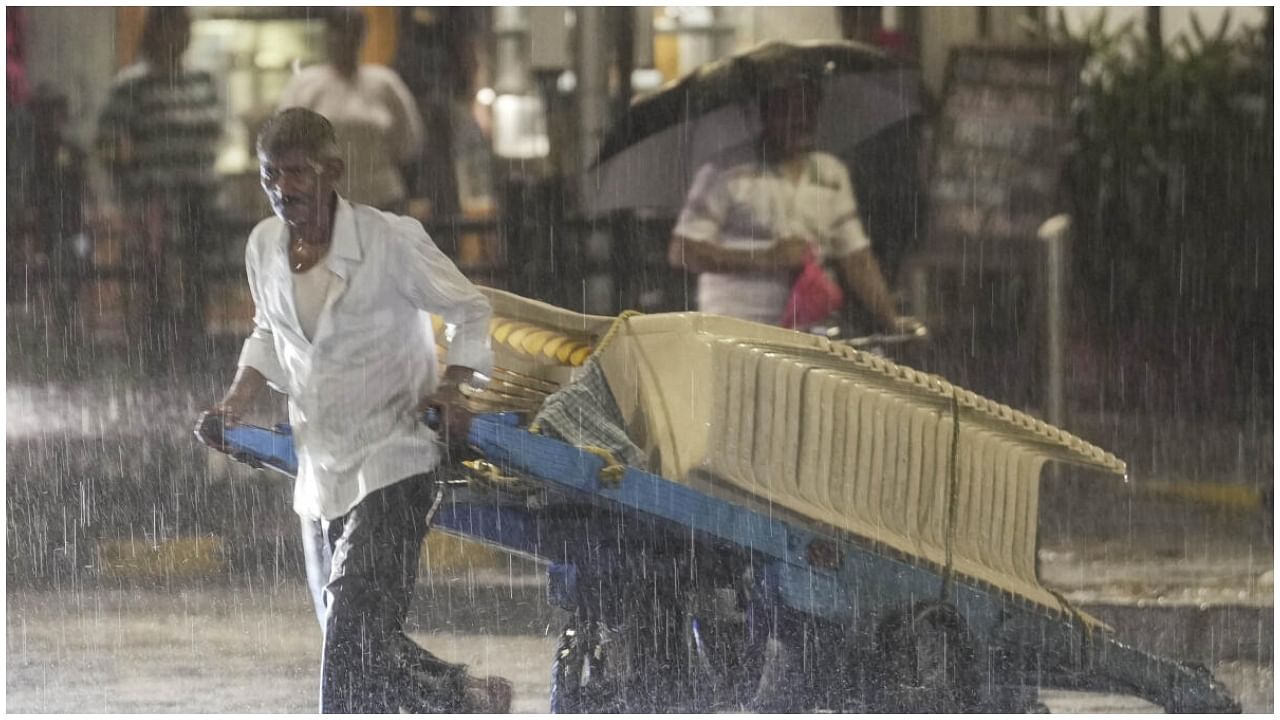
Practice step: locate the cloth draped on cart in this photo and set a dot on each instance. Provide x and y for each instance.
(584, 413)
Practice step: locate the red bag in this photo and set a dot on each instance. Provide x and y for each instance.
(814, 296)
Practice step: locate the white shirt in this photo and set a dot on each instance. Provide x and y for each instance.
(352, 389)
(377, 124)
(310, 289)
(749, 207)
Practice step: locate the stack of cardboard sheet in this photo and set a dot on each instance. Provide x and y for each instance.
(841, 437)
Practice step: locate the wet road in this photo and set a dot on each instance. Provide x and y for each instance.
(256, 649)
(206, 650)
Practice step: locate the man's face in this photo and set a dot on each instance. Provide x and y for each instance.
(299, 188)
(788, 116)
(344, 44)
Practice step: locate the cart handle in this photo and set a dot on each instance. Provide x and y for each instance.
(920, 335)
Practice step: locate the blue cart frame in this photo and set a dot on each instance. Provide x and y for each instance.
(683, 601)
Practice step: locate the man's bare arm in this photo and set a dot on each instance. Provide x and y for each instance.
(451, 403)
(244, 388)
(699, 257)
(862, 273)
(455, 375)
(449, 389)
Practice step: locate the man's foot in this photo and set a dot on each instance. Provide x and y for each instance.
(487, 695)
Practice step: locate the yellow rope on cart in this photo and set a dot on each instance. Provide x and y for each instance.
(613, 331)
(613, 470)
(953, 489)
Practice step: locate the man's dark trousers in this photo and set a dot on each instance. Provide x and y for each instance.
(361, 568)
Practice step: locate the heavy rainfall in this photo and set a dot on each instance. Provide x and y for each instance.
(737, 359)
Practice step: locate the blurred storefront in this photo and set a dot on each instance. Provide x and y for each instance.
(526, 94)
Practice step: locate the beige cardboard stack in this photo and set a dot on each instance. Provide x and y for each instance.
(838, 436)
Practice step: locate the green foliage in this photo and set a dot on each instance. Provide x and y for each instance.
(1171, 174)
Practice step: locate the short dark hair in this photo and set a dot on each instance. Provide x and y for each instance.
(345, 19)
(155, 23)
(299, 129)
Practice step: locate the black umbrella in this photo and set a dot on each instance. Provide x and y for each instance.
(710, 115)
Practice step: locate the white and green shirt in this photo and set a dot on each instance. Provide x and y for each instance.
(752, 205)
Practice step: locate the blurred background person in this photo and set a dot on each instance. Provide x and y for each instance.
(442, 55)
(16, 87)
(46, 196)
(371, 108)
(158, 138)
(748, 229)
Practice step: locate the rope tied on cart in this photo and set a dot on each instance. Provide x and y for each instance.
(1087, 623)
(953, 490)
(612, 332)
(613, 470)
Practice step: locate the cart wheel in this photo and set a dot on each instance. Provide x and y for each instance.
(639, 666)
(925, 662)
(729, 646)
(745, 655)
(579, 682)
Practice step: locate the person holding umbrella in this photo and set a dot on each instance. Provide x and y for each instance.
(749, 229)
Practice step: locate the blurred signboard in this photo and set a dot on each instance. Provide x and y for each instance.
(999, 154)
(1002, 136)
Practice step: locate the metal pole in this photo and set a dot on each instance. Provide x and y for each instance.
(591, 65)
(511, 28)
(1155, 32)
(625, 34)
(1054, 234)
(592, 69)
(642, 43)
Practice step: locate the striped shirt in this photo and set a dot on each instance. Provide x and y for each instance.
(161, 134)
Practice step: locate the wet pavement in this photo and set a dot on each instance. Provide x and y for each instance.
(207, 650)
(149, 575)
(256, 649)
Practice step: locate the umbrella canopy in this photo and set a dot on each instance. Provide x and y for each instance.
(711, 115)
